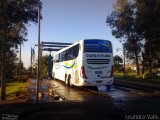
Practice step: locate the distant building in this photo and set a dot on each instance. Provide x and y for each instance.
(133, 67)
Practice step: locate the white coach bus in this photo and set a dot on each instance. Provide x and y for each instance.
(88, 62)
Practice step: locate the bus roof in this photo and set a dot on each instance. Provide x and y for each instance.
(80, 41)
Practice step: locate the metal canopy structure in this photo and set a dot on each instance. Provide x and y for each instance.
(53, 46)
(56, 43)
(50, 47)
(45, 46)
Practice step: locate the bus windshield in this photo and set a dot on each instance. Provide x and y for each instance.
(97, 46)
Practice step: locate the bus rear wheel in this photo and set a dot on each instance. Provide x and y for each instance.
(68, 80)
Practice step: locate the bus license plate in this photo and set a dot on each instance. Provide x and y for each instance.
(98, 72)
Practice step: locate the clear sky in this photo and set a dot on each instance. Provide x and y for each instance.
(71, 21)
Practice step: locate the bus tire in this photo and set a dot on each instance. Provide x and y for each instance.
(65, 79)
(53, 75)
(69, 80)
(108, 87)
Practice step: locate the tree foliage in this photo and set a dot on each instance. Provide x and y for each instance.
(118, 63)
(11, 64)
(148, 17)
(20, 13)
(44, 63)
(123, 23)
(136, 24)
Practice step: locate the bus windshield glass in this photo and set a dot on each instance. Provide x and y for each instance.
(97, 46)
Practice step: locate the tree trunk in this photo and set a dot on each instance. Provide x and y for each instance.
(150, 67)
(137, 63)
(150, 63)
(143, 63)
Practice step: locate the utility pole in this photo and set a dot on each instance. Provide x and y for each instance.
(40, 62)
(3, 72)
(31, 61)
(124, 62)
(38, 66)
(20, 62)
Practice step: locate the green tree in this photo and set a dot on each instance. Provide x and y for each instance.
(118, 63)
(148, 17)
(20, 13)
(44, 63)
(124, 27)
(11, 64)
(43, 67)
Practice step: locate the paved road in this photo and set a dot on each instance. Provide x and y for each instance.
(138, 85)
(76, 93)
(140, 106)
(63, 111)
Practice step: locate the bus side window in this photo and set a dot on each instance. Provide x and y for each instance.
(75, 51)
(63, 58)
(71, 54)
(55, 59)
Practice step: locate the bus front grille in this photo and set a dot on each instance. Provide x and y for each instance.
(98, 61)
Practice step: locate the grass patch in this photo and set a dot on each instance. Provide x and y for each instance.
(133, 77)
(15, 87)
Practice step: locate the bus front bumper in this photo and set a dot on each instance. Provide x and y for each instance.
(100, 82)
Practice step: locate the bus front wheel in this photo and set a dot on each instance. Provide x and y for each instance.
(108, 87)
(53, 75)
(68, 80)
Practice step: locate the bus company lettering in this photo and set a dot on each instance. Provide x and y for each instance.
(98, 55)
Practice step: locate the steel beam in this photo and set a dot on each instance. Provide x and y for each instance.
(56, 43)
